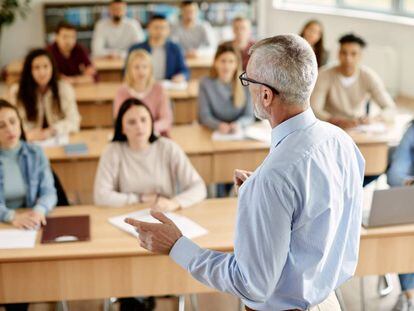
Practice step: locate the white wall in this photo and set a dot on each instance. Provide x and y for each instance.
(397, 37)
(22, 35)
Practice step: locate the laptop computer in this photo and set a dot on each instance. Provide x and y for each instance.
(394, 206)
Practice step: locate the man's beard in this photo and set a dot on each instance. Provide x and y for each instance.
(259, 111)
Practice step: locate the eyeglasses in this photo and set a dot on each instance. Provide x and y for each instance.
(245, 81)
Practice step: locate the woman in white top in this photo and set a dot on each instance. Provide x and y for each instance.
(141, 167)
(46, 104)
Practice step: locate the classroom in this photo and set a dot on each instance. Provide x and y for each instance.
(206, 155)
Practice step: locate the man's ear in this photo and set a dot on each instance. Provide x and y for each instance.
(267, 96)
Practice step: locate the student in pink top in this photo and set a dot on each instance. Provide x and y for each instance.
(139, 83)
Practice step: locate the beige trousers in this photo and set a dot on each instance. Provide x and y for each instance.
(329, 304)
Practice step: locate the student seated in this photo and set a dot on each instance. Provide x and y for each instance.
(138, 166)
(401, 173)
(242, 42)
(139, 83)
(71, 58)
(313, 33)
(224, 104)
(46, 104)
(196, 37)
(26, 180)
(167, 57)
(342, 91)
(114, 35)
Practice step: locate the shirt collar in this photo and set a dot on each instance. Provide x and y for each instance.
(298, 122)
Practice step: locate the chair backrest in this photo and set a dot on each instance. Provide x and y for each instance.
(61, 194)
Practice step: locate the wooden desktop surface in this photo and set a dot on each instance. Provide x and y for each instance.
(110, 69)
(112, 264)
(214, 160)
(95, 103)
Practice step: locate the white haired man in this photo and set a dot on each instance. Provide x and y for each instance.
(299, 212)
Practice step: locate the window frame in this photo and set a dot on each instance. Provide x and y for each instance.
(396, 9)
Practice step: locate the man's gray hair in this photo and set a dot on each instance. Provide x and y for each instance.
(288, 63)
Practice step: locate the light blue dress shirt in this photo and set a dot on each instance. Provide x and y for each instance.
(402, 164)
(298, 222)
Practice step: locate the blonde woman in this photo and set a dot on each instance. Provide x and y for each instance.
(139, 83)
(224, 104)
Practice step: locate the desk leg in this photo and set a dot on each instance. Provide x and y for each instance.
(361, 285)
(194, 302)
(181, 303)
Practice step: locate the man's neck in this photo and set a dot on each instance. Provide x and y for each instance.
(66, 54)
(284, 113)
(189, 24)
(347, 72)
(156, 43)
(241, 43)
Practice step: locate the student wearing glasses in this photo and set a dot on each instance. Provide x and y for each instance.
(224, 105)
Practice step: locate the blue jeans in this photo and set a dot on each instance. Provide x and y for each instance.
(406, 281)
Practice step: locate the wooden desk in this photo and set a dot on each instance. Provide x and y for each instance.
(95, 102)
(200, 66)
(13, 71)
(111, 69)
(110, 265)
(215, 161)
(113, 265)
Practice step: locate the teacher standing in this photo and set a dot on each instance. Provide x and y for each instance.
(299, 212)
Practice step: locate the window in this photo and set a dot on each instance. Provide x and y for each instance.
(378, 5)
(409, 6)
(314, 2)
(395, 7)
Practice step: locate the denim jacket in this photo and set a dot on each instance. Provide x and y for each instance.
(41, 192)
(402, 163)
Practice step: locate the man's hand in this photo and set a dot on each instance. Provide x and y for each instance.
(157, 238)
(239, 178)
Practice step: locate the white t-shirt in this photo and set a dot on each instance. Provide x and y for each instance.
(348, 81)
(111, 38)
(159, 62)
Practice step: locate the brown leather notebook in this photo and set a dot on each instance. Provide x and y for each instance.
(66, 229)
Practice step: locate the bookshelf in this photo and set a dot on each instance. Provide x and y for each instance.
(83, 15)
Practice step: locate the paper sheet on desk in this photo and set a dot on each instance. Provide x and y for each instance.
(55, 141)
(16, 238)
(375, 128)
(217, 136)
(174, 86)
(189, 228)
